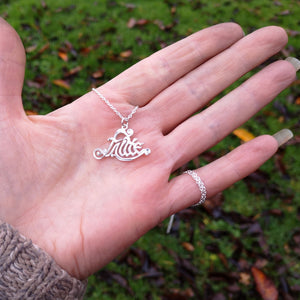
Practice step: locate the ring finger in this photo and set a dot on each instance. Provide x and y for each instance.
(206, 129)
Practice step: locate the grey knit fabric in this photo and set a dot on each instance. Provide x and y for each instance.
(27, 272)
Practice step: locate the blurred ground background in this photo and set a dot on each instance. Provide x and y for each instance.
(245, 242)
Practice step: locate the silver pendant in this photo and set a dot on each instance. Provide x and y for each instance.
(122, 147)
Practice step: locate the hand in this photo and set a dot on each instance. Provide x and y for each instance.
(83, 211)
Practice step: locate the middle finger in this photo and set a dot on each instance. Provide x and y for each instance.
(197, 88)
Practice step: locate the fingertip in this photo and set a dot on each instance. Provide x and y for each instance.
(275, 78)
(279, 33)
(286, 74)
(12, 69)
(232, 28)
(235, 27)
(11, 46)
(271, 35)
(266, 144)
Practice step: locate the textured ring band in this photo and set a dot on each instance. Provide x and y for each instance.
(200, 184)
(202, 189)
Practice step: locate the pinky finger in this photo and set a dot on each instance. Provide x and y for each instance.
(225, 171)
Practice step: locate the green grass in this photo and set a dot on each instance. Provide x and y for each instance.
(94, 33)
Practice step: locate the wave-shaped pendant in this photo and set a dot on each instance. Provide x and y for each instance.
(122, 147)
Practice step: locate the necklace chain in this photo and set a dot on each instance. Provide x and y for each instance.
(122, 145)
(124, 119)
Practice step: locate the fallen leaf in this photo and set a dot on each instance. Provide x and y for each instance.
(292, 32)
(260, 263)
(285, 12)
(126, 54)
(130, 6)
(276, 212)
(69, 45)
(296, 238)
(98, 74)
(44, 48)
(31, 48)
(142, 22)
(287, 248)
(264, 285)
(254, 229)
(188, 246)
(33, 84)
(245, 278)
(63, 55)
(131, 23)
(73, 71)
(122, 281)
(177, 294)
(118, 278)
(243, 134)
(223, 259)
(62, 83)
(160, 24)
(38, 82)
(151, 273)
(86, 50)
(30, 112)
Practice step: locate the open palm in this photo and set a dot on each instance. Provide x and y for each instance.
(84, 211)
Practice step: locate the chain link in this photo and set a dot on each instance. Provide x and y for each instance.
(124, 119)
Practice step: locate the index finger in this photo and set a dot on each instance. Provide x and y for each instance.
(143, 81)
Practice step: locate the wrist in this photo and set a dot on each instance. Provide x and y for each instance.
(26, 271)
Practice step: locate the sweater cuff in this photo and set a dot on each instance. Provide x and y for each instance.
(27, 272)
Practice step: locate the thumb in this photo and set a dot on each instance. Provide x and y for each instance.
(12, 68)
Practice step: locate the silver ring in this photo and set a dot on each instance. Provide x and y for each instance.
(200, 184)
(202, 189)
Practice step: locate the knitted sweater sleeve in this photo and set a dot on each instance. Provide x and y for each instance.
(27, 272)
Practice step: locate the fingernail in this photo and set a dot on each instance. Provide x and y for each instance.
(295, 62)
(283, 136)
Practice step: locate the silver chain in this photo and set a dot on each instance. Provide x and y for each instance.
(124, 119)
